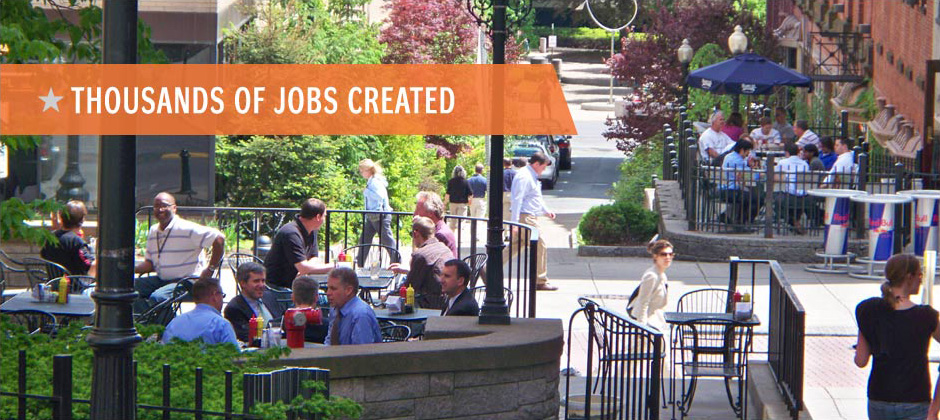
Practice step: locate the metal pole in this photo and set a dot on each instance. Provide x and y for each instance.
(610, 99)
(494, 309)
(113, 385)
(72, 182)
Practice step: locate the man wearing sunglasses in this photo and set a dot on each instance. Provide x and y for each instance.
(205, 321)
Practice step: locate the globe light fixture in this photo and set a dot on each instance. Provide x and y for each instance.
(737, 42)
(685, 52)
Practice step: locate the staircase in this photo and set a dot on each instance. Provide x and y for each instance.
(585, 79)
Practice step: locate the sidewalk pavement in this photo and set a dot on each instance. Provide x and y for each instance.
(834, 388)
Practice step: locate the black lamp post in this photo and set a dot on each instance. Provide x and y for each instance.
(113, 385)
(737, 43)
(685, 53)
(72, 183)
(492, 13)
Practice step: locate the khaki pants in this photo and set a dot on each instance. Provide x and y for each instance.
(478, 207)
(507, 207)
(456, 209)
(541, 268)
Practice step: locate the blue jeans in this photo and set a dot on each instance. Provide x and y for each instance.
(881, 410)
(152, 290)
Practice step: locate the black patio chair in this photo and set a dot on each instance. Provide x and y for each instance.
(238, 258)
(479, 293)
(395, 333)
(164, 312)
(35, 321)
(477, 263)
(376, 253)
(40, 271)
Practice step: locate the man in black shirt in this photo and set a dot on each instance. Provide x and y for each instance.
(294, 249)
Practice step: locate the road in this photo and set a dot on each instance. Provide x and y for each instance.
(595, 166)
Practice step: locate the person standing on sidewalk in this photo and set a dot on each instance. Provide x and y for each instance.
(527, 206)
(895, 333)
(375, 197)
(458, 195)
(478, 188)
(652, 295)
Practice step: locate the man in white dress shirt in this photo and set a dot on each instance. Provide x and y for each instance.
(713, 141)
(843, 171)
(526, 207)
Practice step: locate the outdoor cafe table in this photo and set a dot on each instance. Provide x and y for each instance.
(414, 320)
(366, 284)
(678, 318)
(78, 306)
(838, 208)
(881, 232)
(924, 219)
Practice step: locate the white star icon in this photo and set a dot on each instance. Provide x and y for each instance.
(50, 101)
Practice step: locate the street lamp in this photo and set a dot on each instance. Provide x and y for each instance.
(492, 13)
(737, 43)
(685, 53)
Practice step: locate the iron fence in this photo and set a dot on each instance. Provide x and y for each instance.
(786, 330)
(245, 226)
(628, 359)
(282, 385)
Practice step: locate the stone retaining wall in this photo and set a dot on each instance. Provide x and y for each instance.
(461, 370)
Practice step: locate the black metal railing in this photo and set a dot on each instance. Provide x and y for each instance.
(761, 200)
(243, 226)
(628, 359)
(282, 385)
(786, 329)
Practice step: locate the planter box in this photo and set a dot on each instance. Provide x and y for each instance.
(612, 251)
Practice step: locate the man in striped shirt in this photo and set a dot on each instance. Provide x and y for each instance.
(175, 250)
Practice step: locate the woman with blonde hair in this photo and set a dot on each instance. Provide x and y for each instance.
(895, 333)
(649, 303)
(375, 197)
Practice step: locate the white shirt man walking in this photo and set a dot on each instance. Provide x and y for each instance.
(527, 205)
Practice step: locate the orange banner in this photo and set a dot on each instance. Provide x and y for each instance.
(99, 99)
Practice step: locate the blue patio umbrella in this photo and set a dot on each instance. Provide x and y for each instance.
(747, 74)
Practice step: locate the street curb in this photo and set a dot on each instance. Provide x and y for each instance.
(612, 251)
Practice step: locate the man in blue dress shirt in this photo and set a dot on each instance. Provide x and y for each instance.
(478, 187)
(742, 204)
(352, 321)
(205, 321)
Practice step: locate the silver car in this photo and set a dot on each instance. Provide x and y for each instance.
(527, 148)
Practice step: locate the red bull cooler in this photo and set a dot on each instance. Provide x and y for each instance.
(924, 217)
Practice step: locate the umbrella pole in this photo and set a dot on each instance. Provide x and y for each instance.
(610, 99)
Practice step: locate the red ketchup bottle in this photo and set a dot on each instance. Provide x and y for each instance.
(252, 330)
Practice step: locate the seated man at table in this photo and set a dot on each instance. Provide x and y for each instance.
(430, 205)
(205, 321)
(294, 248)
(792, 201)
(742, 203)
(459, 299)
(255, 300)
(305, 295)
(352, 321)
(71, 252)
(427, 263)
(174, 251)
(843, 172)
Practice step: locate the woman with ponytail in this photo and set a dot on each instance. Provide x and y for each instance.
(896, 333)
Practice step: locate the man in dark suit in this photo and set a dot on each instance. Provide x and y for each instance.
(459, 300)
(254, 301)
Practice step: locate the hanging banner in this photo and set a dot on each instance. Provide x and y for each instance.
(281, 100)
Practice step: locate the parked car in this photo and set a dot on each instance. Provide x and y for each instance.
(527, 148)
(564, 152)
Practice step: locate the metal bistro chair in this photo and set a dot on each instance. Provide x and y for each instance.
(377, 254)
(479, 293)
(236, 259)
(40, 271)
(77, 284)
(607, 358)
(715, 348)
(35, 321)
(164, 312)
(394, 333)
(477, 263)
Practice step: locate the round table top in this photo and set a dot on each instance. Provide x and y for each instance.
(882, 198)
(935, 194)
(835, 192)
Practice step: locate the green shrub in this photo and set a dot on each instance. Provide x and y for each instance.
(637, 170)
(620, 223)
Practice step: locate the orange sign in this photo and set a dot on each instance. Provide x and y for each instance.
(99, 99)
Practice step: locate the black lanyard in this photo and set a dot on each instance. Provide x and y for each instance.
(159, 245)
